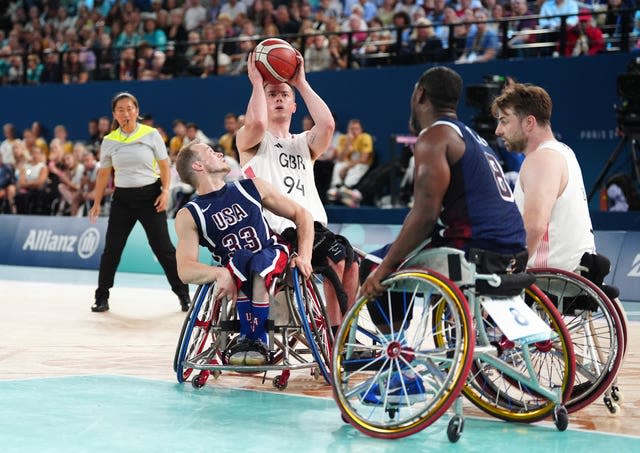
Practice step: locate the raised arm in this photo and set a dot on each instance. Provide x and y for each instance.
(283, 206)
(321, 134)
(190, 270)
(255, 120)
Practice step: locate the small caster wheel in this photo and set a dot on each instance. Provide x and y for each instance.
(561, 418)
(616, 395)
(315, 373)
(279, 383)
(198, 382)
(612, 407)
(455, 428)
(216, 374)
(392, 413)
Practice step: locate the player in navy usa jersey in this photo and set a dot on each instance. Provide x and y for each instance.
(461, 197)
(228, 220)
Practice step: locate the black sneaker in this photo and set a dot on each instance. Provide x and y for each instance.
(100, 305)
(185, 302)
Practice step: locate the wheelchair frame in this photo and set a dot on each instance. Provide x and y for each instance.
(450, 351)
(598, 329)
(303, 340)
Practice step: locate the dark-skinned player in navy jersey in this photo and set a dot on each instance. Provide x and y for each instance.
(461, 200)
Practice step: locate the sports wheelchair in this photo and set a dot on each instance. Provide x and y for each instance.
(598, 326)
(401, 359)
(299, 334)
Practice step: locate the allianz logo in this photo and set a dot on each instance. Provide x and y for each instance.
(46, 241)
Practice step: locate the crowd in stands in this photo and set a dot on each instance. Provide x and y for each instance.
(77, 41)
(44, 172)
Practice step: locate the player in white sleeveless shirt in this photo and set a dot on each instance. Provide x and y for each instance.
(287, 162)
(550, 192)
(268, 150)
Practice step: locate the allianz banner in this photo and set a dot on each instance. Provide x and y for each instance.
(51, 241)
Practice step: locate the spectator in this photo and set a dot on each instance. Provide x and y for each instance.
(88, 182)
(34, 70)
(31, 197)
(238, 63)
(437, 13)
(424, 46)
(482, 43)
(5, 52)
(93, 139)
(355, 155)
(465, 5)
(105, 58)
(29, 141)
(518, 31)
(129, 37)
(173, 64)
(156, 37)
(585, 38)
(339, 54)
(150, 62)
(6, 146)
(60, 133)
(232, 8)
(15, 74)
(227, 140)
(7, 188)
(74, 70)
(38, 134)
(456, 43)
(70, 184)
(127, 66)
(285, 23)
(192, 133)
(195, 15)
(52, 71)
(386, 11)
(317, 56)
(176, 31)
(555, 8)
(180, 132)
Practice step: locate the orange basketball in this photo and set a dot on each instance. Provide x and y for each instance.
(276, 60)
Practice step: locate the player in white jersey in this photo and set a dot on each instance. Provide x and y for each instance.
(268, 150)
(550, 192)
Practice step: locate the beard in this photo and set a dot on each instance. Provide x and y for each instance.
(517, 143)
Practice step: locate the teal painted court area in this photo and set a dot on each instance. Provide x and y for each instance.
(119, 414)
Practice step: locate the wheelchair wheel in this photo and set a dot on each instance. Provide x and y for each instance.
(498, 391)
(315, 322)
(204, 314)
(390, 379)
(185, 323)
(596, 330)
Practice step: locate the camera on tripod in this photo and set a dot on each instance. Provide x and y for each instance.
(480, 97)
(628, 87)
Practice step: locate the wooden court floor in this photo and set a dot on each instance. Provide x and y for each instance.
(47, 330)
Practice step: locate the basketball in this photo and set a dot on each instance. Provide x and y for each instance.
(276, 60)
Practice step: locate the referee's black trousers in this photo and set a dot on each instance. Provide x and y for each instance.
(128, 206)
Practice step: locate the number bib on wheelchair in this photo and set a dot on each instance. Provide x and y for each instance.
(516, 319)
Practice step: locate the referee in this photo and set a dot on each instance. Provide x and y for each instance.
(138, 158)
